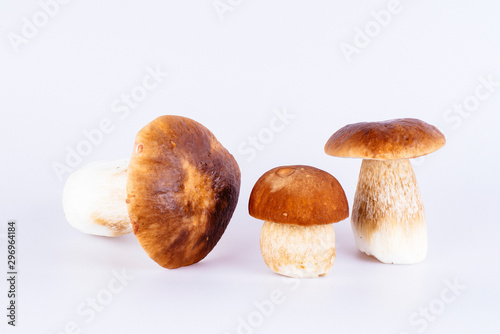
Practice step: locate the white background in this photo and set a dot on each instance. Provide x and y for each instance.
(230, 74)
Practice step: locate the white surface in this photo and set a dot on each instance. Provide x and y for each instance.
(230, 75)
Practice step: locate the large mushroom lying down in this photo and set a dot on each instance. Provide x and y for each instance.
(299, 205)
(182, 189)
(177, 194)
(388, 219)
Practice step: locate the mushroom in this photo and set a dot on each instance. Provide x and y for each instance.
(94, 199)
(299, 205)
(182, 189)
(177, 194)
(388, 219)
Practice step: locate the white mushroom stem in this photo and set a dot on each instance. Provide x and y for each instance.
(298, 251)
(94, 199)
(388, 217)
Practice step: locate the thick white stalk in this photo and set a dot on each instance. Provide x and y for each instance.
(298, 251)
(94, 199)
(388, 217)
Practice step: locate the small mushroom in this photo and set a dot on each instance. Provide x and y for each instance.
(182, 189)
(388, 219)
(94, 199)
(299, 205)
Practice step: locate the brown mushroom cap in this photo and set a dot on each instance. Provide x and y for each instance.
(298, 195)
(403, 138)
(182, 189)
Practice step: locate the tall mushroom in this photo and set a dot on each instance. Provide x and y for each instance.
(299, 205)
(388, 219)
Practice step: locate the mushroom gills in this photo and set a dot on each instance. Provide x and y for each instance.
(388, 219)
(298, 251)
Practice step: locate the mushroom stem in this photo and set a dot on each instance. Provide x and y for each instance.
(94, 199)
(388, 219)
(298, 251)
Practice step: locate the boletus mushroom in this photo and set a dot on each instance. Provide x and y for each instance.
(182, 189)
(177, 194)
(388, 219)
(299, 205)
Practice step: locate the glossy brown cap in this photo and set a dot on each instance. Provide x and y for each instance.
(403, 138)
(182, 189)
(298, 195)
